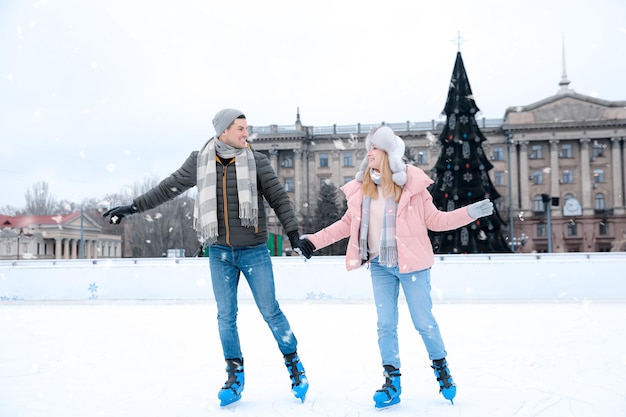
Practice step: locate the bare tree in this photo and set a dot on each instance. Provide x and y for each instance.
(9, 210)
(39, 201)
(168, 226)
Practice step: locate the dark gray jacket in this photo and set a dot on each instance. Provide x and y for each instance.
(231, 233)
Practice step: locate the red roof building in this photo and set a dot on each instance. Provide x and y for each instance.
(69, 236)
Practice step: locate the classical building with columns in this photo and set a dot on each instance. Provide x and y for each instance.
(559, 165)
(56, 237)
(567, 165)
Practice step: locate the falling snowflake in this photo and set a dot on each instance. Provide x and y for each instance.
(339, 144)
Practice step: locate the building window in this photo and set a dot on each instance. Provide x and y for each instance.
(598, 176)
(538, 206)
(542, 230)
(323, 160)
(598, 149)
(535, 152)
(499, 178)
(568, 176)
(421, 158)
(289, 185)
(572, 229)
(598, 203)
(287, 162)
(603, 228)
(537, 178)
(347, 179)
(498, 153)
(347, 159)
(566, 151)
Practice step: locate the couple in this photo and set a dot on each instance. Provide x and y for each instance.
(389, 213)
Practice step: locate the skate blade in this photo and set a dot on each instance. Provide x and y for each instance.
(386, 404)
(449, 393)
(299, 395)
(300, 391)
(224, 403)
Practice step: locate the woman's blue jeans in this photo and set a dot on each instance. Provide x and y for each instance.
(386, 282)
(227, 264)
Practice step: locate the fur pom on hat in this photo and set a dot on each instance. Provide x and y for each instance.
(384, 138)
(224, 118)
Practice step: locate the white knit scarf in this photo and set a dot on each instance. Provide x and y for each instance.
(388, 252)
(205, 208)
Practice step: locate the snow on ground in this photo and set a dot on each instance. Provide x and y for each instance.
(117, 359)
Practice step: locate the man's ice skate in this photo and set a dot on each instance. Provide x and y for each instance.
(299, 381)
(390, 392)
(231, 391)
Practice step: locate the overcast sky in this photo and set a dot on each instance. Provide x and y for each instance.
(101, 94)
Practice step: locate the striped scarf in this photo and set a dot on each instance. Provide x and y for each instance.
(205, 208)
(388, 253)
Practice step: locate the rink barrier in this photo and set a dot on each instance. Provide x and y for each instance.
(454, 278)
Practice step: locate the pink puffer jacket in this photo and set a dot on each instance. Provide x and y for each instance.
(416, 215)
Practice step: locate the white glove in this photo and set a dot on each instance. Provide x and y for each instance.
(480, 209)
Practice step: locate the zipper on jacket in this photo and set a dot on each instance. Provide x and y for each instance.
(225, 198)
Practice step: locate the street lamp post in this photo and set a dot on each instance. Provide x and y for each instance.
(509, 142)
(548, 207)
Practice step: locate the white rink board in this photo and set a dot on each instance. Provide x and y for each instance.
(454, 278)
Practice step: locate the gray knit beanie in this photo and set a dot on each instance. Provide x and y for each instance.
(224, 118)
(384, 138)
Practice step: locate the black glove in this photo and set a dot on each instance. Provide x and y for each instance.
(303, 246)
(118, 213)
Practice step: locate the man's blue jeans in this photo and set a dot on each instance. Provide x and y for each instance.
(227, 264)
(416, 286)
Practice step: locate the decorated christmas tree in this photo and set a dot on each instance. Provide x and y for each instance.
(461, 174)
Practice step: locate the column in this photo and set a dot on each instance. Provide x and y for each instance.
(298, 181)
(274, 158)
(555, 189)
(336, 168)
(66, 248)
(585, 180)
(616, 175)
(74, 248)
(515, 177)
(523, 174)
(57, 247)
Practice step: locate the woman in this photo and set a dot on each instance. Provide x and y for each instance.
(389, 214)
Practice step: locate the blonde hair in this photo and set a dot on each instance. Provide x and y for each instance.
(390, 188)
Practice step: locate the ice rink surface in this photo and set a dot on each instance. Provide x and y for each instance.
(140, 359)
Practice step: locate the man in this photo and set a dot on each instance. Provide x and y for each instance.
(229, 215)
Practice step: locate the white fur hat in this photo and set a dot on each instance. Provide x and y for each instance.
(383, 138)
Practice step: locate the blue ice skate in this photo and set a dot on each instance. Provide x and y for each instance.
(299, 381)
(231, 391)
(447, 388)
(390, 392)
